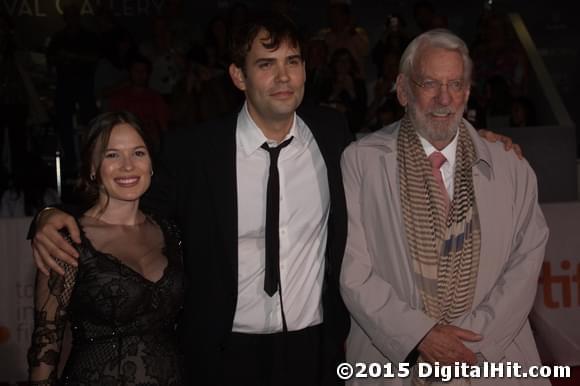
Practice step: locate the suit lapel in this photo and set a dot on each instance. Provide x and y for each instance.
(324, 142)
(223, 178)
(316, 128)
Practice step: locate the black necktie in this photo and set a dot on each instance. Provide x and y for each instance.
(272, 271)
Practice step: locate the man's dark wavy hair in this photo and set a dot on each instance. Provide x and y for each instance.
(280, 28)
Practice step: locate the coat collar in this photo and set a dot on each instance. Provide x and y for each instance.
(386, 140)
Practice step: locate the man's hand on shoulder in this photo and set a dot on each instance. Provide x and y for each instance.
(48, 243)
(508, 145)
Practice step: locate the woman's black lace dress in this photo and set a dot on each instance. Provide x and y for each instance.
(122, 322)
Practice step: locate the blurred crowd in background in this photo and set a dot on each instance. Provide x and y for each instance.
(176, 78)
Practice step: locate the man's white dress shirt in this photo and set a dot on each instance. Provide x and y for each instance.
(448, 167)
(304, 210)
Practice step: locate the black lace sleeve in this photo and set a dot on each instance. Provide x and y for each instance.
(52, 295)
(172, 236)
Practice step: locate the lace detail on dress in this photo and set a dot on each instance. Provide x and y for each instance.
(51, 300)
(123, 324)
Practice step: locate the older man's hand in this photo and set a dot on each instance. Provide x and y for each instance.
(444, 344)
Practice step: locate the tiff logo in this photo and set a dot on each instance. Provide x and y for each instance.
(565, 284)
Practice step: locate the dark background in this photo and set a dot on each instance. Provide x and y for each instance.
(554, 27)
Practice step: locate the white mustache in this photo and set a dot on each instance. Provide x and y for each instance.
(442, 111)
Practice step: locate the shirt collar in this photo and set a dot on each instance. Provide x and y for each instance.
(448, 151)
(250, 138)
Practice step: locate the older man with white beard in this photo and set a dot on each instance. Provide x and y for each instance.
(445, 235)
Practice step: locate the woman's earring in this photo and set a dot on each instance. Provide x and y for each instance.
(92, 176)
(151, 172)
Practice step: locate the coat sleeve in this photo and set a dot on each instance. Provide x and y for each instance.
(391, 324)
(504, 311)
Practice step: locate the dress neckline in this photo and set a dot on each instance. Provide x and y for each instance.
(98, 220)
(118, 260)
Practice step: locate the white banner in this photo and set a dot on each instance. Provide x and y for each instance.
(556, 314)
(16, 298)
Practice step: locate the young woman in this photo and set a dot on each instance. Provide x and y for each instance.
(123, 299)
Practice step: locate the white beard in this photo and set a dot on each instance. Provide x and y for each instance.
(432, 130)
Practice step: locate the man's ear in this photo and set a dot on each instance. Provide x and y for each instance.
(402, 90)
(237, 76)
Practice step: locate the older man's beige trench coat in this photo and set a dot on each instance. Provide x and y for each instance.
(377, 282)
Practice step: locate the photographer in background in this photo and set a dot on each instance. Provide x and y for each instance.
(343, 33)
(393, 41)
(140, 99)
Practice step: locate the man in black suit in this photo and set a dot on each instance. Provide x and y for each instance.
(259, 198)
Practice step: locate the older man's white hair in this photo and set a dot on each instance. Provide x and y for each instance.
(437, 38)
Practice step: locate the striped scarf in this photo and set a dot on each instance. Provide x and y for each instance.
(444, 247)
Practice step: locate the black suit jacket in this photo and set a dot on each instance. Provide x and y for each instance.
(197, 185)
